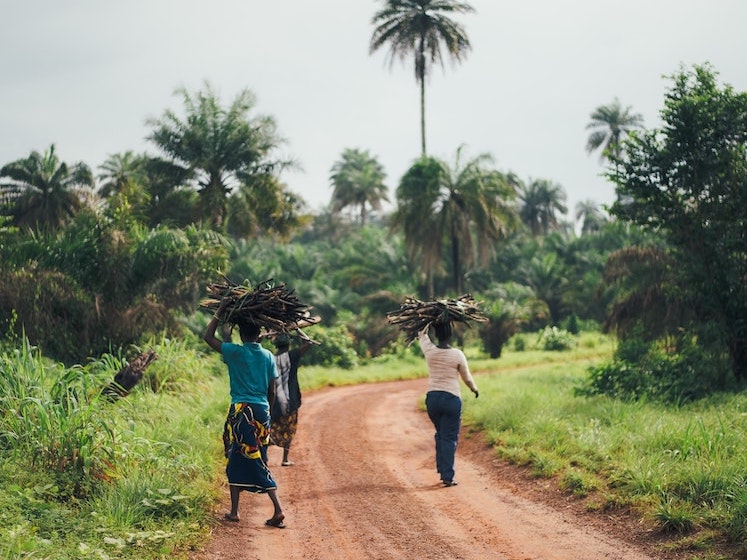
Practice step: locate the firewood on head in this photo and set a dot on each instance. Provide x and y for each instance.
(273, 307)
(415, 315)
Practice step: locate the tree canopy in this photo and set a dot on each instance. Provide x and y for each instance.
(223, 148)
(42, 191)
(358, 181)
(609, 126)
(466, 206)
(688, 181)
(541, 203)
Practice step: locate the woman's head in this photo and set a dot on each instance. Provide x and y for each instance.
(248, 331)
(443, 331)
(282, 342)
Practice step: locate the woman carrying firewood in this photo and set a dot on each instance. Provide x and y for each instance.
(252, 373)
(444, 399)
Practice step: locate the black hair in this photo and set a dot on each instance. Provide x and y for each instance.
(248, 331)
(443, 331)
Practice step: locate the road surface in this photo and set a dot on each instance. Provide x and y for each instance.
(364, 486)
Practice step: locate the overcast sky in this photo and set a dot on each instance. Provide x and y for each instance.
(87, 74)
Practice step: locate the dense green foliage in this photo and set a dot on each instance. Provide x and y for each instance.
(687, 181)
(87, 478)
(118, 269)
(669, 272)
(101, 282)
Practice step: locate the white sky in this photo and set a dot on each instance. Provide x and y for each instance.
(86, 74)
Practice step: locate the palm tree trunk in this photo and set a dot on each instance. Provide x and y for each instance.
(420, 73)
(422, 115)
(456, 265)
(129, 376)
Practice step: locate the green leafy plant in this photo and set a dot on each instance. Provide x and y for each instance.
(553, 338)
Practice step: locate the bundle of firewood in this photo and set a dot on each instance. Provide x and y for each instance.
(268, 305)
(414, 315)
(129, 376)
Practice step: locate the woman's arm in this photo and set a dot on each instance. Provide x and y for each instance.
(466, 375)
(209, 335)
(426, 344)
(271, 392)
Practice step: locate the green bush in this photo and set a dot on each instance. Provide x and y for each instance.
(519, 343)
(335, 348)
(571, 324)
(641, 369)
(553, 338)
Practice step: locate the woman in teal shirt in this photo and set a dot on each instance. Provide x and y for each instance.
(251, 373)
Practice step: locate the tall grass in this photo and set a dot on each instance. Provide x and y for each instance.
(87, 478)
(684, 468)
(49, 415)
(154, 459)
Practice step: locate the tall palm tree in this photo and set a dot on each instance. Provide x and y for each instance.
(609, 124)
(541, 202)
(120, 171)
(224, 147)
(42, 191)
(418, 28)
(358, 181)
(467, 206)
(591, 217)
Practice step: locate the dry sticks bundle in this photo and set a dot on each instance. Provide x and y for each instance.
(271, 306)
(414, 315)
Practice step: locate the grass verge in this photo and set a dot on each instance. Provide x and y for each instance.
(137, 478)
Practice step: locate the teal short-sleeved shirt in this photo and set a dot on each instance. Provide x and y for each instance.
(251, 369)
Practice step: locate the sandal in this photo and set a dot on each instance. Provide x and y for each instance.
(276, 522)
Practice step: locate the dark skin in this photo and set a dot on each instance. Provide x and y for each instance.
(215, 343)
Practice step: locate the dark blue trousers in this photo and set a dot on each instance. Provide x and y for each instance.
(445, 411)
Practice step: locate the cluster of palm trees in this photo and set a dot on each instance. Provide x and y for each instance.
(217, 167)
(218, 170)
(218, 164)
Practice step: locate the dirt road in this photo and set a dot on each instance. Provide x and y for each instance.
(364, 486)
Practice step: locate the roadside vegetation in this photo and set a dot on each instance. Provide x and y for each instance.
(86, 477)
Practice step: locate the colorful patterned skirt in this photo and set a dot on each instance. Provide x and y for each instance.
(245, 439)
(283, 429)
